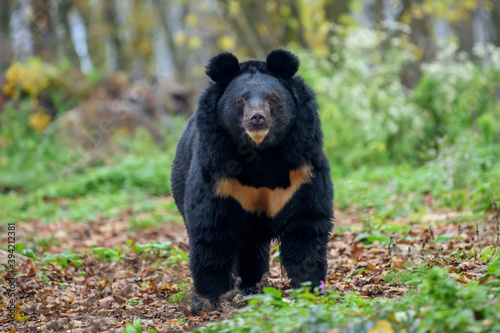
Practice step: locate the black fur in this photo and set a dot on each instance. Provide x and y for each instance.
(225, 65)
(225, 240)
(282, 63)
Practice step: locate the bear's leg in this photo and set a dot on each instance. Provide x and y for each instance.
(252, 264)
(211, 268)
(303, 251)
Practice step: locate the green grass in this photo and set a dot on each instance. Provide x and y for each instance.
(395, 191)
(416, 274)
(136, 327)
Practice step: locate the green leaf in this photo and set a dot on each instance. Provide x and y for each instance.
(277, 294)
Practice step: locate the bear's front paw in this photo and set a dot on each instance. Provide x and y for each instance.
(246, 291)
(201, 304)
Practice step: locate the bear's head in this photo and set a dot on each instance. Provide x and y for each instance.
(257, 104)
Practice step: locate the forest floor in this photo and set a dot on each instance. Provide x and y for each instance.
(100, 276)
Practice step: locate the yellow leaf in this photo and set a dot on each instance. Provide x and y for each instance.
(293, 24)
(262, 29)
(347, 20)
(406, 17)
(198, 70)
(13, 72)
(470, 4)
(15, 94)
(320, 50)
(21, 318)
(39, 121)
(419, 53)
(194, 43)
(144, 48)
(417, 12)
(180, 38)
(383, 326)
(192, 19)
(356, 5)
(285, 11)
(7, 89)
(121, 132)
(226, 43)
(234, 8)
(428, 8)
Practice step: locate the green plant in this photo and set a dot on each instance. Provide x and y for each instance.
(136, 327)
(176, 257)
(155, 246)
(107, 254)
(412, 276)
(63, 259)
(181, 294)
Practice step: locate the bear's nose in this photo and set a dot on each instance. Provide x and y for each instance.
(257, 118)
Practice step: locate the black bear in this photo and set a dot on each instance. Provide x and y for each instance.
(250, 168)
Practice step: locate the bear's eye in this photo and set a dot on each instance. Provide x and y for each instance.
(240, 101)
(274, 100)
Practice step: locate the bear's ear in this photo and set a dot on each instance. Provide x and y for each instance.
(282, 63)
(223, 66)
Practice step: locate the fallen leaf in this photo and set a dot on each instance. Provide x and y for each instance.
(397, 263)
(382, 326)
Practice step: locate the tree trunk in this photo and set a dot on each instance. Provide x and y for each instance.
(180, 62)
(264, 17)
(252, 18)
(110, 15)
(465, 32)
(300, 35)
(495, 22)
(334, 9)
(69, 48)
(377, 12)
(6, 53)
(94, 46)
(43, 31)
(422, 36)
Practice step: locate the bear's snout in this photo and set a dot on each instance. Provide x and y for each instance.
(257, 118)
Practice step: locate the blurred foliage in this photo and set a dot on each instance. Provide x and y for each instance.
(48, 88)
(451, 10)
(370, 118)
(161, 39)
(35, 78)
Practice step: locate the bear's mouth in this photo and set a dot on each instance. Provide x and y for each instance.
(257, 136)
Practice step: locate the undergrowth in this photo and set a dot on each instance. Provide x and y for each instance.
(438, 304)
